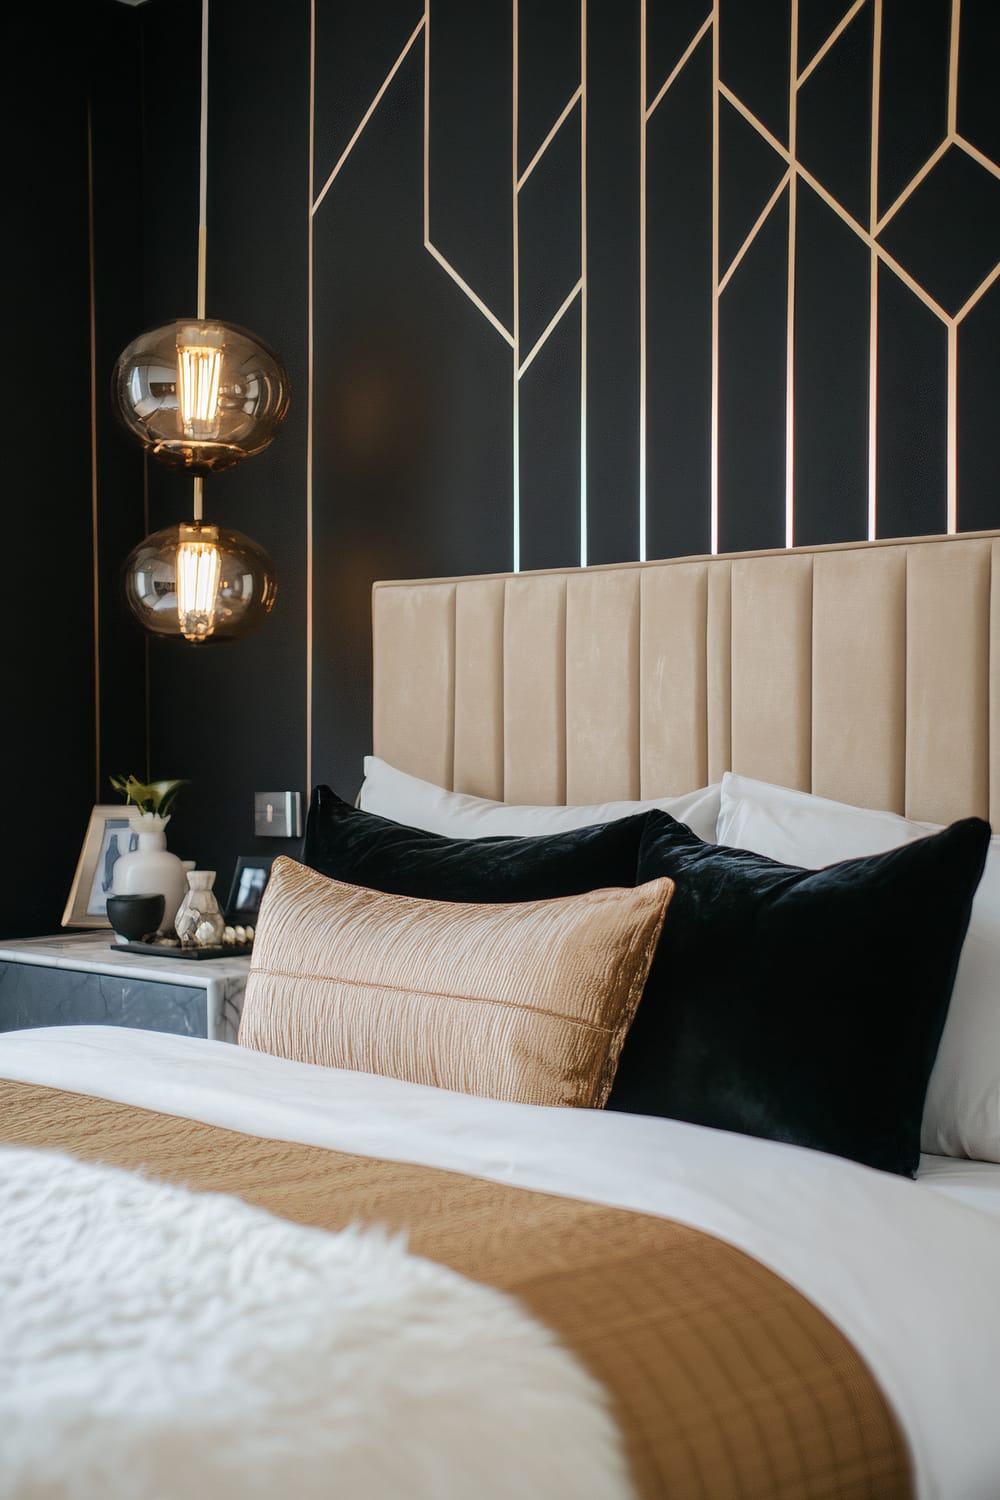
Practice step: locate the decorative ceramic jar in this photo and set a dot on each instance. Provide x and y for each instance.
(151, 869)
(199, 919)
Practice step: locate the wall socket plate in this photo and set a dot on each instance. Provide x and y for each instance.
(277, 815)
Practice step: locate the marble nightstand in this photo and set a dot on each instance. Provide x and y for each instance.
(74, 980)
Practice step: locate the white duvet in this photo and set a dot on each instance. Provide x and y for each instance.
(908, 1272)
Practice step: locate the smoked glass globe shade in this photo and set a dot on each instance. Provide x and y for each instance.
(196, 582)
(200, 394)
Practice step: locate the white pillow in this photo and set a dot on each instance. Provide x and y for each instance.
(420, 804)
(962, 1109)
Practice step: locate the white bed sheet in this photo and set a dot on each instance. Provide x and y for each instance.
(974, 1183)
(907, 1270)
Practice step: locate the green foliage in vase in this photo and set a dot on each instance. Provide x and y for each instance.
(149, 797)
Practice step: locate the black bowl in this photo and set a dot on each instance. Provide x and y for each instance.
(132, 917)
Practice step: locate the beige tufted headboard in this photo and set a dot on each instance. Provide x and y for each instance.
(868, 673)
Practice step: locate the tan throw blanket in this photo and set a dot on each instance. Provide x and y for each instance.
(726, 1381)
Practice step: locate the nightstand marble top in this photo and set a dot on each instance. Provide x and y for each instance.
(94, 952)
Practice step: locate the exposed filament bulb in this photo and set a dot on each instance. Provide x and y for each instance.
(199, 570)
(199, 376)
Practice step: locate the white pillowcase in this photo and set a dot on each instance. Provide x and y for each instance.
(420, 804)
(962, 1109)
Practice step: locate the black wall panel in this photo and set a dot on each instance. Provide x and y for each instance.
(912, 415)
(612, 406)
(832, 280)
(679, 313)
(436, 446)
(752, 348)
(60, 715)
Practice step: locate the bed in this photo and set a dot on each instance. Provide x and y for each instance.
(760, 1318)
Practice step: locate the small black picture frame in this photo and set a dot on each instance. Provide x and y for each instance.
(250, 877)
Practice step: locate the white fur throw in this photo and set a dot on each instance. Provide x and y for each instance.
(160, 1343)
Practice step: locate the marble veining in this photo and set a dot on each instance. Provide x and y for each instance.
(77, 980)
(32, 995)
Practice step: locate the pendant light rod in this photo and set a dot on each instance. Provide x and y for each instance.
(197, 504)
(203, 168)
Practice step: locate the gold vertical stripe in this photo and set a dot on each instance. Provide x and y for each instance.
(956, 23)
(714, 458)
(427, 122)
(94, 513)
(873, 275)
(203, 167)
(642, 280)
(310, 351)
(790, 314)
(583, 283)
(148, 717)
(952, 426)
(516, 360)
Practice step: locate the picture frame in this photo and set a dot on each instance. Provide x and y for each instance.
(249, 880)
(109, 835)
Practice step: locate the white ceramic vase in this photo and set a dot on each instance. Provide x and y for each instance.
(152, 869)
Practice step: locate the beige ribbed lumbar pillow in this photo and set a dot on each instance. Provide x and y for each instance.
(528, 1002)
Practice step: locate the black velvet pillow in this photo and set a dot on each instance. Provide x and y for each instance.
(363, 849)
(801, 1005)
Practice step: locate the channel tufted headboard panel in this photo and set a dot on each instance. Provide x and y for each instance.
(869, 673)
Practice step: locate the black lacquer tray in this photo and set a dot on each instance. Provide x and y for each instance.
(159, 950)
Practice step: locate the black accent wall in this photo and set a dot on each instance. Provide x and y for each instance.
(737, 298)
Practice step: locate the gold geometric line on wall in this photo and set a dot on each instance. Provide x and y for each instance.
(429, 246)
(831, 41)
(981, 290)
(583, 283)
(772, 140)
(557, 318)
(563, 117)
(643, 118)
(873, 179)
(682, 62)
(516, 266)
(956, 24)
(759, 223)
(869, 234)
(793, 190)
(975, 153)
(912, 185)
(373, 106)
(714, 412)
(310, 388)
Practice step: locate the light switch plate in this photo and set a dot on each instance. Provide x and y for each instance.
(277, 815)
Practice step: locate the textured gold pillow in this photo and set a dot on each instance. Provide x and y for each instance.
(527, 1002)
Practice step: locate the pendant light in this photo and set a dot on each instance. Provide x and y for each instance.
(200, 395)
